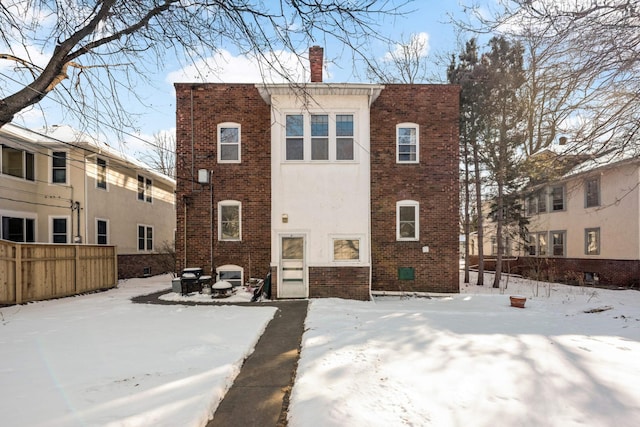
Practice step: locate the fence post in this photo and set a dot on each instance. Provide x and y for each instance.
(76, 269)
(18, 273)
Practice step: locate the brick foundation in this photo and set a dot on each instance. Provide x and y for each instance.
(339, 282)
(130, 266)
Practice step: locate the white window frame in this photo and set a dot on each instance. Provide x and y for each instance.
(416, 206)
(106, 221)
(334, 238)
(550, 207)
(408, 125)
(23, 165)
(229, 125)
(66, 167)
(67, 218)
(146, 228)
(106, 174)
(23, 216)
(230, 268)
(147, 189)
(332, 137)
(227, 203)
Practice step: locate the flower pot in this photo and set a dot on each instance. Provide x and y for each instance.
(517, 301)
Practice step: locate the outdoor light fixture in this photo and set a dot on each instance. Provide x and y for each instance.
(285, 218)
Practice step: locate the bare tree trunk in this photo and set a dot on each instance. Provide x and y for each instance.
(476, 167)
(500, 220)
(466, 212)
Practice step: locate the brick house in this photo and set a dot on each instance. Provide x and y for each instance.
(338, 190)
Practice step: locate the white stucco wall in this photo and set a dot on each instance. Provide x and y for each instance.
(322, 200)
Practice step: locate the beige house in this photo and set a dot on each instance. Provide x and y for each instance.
(583, 226)
(62, 186)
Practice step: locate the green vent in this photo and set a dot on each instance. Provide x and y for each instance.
(406, 273)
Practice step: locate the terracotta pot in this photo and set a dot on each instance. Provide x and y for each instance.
(517, 301)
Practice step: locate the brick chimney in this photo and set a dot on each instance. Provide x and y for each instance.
(315, 60)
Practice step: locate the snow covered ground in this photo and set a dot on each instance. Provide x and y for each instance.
(570, 358)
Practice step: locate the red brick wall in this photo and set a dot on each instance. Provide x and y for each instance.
(433, 183)
(133, 265)
(248, 182)
(339, 282)
(611, 272)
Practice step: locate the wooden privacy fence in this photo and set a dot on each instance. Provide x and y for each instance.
(36, 271)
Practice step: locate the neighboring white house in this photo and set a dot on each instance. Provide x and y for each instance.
(62, 186)
(584, 224)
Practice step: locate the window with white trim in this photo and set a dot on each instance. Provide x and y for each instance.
(407, 143)
(59, 229)
(102, 235)
(230, 220)
(145, 237)
(558, 243)
(407, 220)
(233, 274)
(59, 167)
(592, 192)
(145, 186)
(346, 249)
(101, 173)
(17, 163)
(592, 241)
(18, 229)
(326, 137)
(537, 243)
(537, 203)
(229, 137)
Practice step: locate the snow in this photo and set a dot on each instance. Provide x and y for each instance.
(569, 358)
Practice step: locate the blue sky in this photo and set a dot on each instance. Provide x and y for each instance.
(431, 18)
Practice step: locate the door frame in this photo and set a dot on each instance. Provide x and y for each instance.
(305, 269)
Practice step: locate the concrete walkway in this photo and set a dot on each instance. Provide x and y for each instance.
(259, 395)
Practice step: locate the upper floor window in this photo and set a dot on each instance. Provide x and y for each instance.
(101, 173)
(557, 198)
(229, 220)
(18, 163)
(592, 241)
(102, 237)
(407, 220)
(319, 137)
(59, 230)
(59, 167)
(592, 192)
(407, 143)
(144, 189)
(558, 242)
(537, 203)
(145, 238)
(229, 143)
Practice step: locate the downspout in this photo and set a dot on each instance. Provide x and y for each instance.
(211, 225)
(369, 201)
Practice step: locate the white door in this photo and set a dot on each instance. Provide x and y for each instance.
(292, 277)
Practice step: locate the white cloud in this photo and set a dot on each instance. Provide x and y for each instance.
(417, 46)
(223, 67)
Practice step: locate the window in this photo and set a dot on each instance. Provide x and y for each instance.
(558, 243)
(506, 245)
(228, 143)
(344, 137)
(346, 249)
(231, 273)
(537, 244)
(592, 192)
(319, 137)
(229, 220)
(145, 238)
(18, 229)
(407, 143)
(557, 198)
(144, 189)
(537, 203)
(101, 173)
(101, 232)
(592, 241)
(59, 230)
(17, 163)
(407, 220)
(295, 137)
(59, 167)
